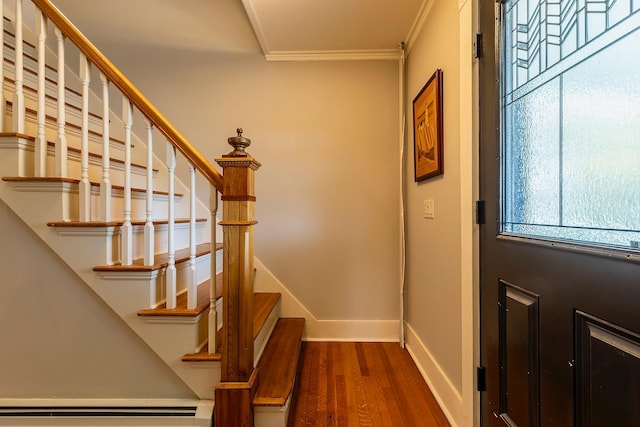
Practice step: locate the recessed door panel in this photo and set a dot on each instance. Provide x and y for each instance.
(519, 357)
(608, 370)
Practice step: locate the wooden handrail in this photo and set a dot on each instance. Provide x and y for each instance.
(131, 92)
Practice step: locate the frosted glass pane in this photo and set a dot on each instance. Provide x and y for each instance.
(571, 120)
(601, 146)
(532, 165)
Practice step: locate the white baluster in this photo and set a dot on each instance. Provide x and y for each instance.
(127, 228)
(85, 185)
(61, 140)
(148, 226)
(105, 183)
(40, 168)
(213, 312)
(18, 94)
(192, 277)
(171, 267)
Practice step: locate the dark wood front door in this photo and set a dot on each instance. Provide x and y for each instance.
(560, 264)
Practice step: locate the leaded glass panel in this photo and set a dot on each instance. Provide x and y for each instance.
(571, 120)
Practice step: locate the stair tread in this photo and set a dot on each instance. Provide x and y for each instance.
(75, 150)
(279, 362)
(67, 123)
(98, 224)
(77, 181)
(160, 261)
(181, 309)
(263, 304)
(99, 156)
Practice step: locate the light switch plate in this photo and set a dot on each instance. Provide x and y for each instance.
(429, 209)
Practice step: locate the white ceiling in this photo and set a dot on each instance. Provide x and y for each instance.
(298, 27)
(280, 29)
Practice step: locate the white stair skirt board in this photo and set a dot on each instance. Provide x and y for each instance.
(271, 416)
(105, 412)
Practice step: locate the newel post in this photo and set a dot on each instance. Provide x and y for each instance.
(239, 380)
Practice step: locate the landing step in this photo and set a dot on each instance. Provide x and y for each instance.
(161, 260)
(263, 304)
(278, 365)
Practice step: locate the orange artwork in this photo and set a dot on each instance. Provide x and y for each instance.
(427, 129)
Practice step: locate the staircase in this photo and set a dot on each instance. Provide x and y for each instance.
(96, 189)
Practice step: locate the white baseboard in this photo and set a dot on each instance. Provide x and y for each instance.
(325, 330)
(105, 412)
(448, 397)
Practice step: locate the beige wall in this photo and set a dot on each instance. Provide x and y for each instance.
(327, 135)
(433, 281)
(442, 254)
(59, 339)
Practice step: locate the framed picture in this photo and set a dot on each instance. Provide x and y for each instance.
(428, 147)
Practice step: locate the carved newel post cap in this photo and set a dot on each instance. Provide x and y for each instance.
(239, 143)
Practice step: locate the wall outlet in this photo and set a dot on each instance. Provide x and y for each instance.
(429, 209)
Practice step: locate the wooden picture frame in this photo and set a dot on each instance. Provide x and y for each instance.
(428, 137)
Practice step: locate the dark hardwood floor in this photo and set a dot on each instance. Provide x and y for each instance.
(361, 384)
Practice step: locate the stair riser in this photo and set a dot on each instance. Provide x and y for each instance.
(105, 243)
(260, 341)
(148, 289)
(72, 91)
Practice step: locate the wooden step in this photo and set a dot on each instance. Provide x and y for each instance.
(53, 120)
(181, 309)
(263, 305)
(77, 181)
(160, 260)
(279, 363)
(99, 224)
(99, 157)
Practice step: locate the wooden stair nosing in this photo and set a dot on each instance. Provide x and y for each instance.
(77, 181)
(27, 88)
(263, 302)
(160, 261)
(278, 365)
(181, 309)
(98, 224)
(99, 156)
(69, 124)
(28, 55)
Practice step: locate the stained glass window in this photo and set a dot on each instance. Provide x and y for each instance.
(571, 120)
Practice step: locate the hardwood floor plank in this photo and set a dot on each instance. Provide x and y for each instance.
(342, 414)
(362, 384)
(321, 401)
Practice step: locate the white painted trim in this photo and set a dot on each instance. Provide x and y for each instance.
(45, 187)
(469, 231)
(255, 24)
(272, 416)
(335, 55)
(441, 386)
(201, 416)
(373, 330)
(418, 23)
(402, 256)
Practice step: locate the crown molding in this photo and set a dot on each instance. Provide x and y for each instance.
(418, 23)
(335, 55)
(255, 24)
